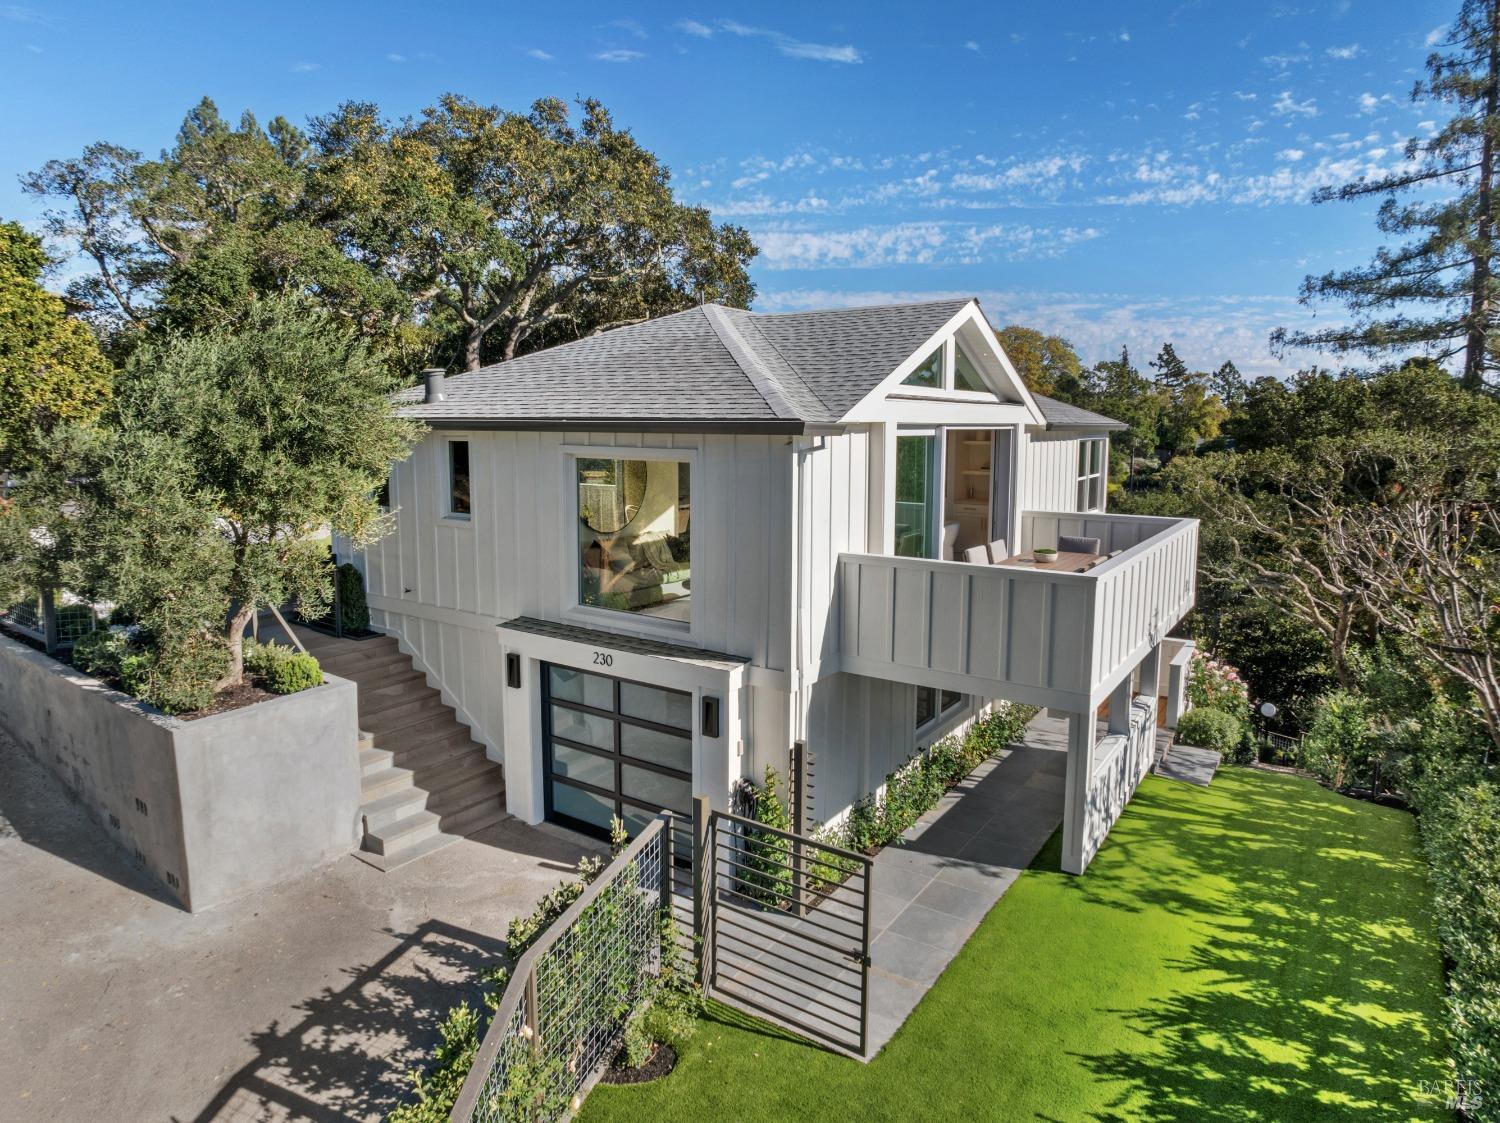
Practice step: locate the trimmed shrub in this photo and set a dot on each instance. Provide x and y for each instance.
(1215, 685)
(354, 612)
(283, 669)
(1460, 827)
(1211, 729)
(299, 672)
(101, 653)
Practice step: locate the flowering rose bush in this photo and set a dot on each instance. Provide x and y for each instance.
(1215, 685)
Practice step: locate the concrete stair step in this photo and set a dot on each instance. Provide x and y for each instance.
(463, 788)
(401, 833)
(406, 854)
(373, 696)
(457, 769)
(381, 814)
(383, 782)
(372, 759)
(360, 665)
(387, 708)
(321, 645)
(422, 735)
(419, 712)
(475, 817)
(432, 753)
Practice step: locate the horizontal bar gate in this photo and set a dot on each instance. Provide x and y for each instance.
(780, 923)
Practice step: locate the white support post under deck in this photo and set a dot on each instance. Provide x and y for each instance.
(1082, 732)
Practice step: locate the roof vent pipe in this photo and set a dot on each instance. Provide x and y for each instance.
(433, 377)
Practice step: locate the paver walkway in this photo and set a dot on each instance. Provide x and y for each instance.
(1190, 765)
(959, 859)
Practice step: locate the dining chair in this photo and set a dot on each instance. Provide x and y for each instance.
(977, 555)
(999, 551)
(1072, 544)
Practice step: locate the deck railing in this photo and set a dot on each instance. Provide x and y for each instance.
(1033, 635)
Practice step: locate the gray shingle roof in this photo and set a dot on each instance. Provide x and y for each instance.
(711, 364)
(1061, 415)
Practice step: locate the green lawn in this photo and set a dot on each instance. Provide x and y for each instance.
(1260, 949)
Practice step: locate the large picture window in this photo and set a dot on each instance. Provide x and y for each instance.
(1091, 474)
(635, 536)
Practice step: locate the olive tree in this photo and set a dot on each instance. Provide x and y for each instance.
(233, 453)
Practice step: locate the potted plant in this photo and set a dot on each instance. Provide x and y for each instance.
(1045, 555)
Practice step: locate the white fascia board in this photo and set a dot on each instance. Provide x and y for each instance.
(891, 398)
(954, 414)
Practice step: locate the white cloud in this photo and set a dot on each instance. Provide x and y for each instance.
(970, 45)
(1291, 155)
(619, 55)
(629, 26)
(913, 243)
(1283, 61)
(1435, 36)
(693, 27)
(1122, 36)
(1343, 52)
(796, 48)
(539, 54)
(306, 67)
(1288, 106)
(394, 57)
(1243, 95)
(1020, 174)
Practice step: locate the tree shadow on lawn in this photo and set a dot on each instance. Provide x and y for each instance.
(348, 1057)
(1312, 986)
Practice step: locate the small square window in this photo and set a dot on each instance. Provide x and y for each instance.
(460, 499)
(929, 375)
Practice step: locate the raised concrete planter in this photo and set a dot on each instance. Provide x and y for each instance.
(213, 808)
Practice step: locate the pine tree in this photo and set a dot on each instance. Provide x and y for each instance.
(1171, 371)
(1228, 383)
(1436, 293)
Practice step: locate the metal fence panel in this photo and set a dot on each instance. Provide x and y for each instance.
(563, 1013)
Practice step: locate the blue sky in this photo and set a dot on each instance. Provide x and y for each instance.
(1118, 173)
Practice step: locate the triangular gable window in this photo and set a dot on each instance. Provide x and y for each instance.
(929, 375)
(965, 374)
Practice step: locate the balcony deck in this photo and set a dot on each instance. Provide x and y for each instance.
(1029, 635)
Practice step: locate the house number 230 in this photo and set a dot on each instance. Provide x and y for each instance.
(603, 659)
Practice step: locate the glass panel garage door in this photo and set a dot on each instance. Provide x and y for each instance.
(612, 747)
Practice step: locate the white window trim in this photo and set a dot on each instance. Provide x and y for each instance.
(943, 719)
(446, 515)
(1101, 476)
(949, 391)
(610, 619)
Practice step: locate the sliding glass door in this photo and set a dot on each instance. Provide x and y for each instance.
(917, 495)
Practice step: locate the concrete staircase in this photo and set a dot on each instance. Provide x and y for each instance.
(425, 783)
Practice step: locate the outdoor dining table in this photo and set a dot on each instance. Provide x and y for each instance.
(1067, 562)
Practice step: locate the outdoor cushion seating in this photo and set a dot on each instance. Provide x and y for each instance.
(977, 555)
(999, 551)
(1072, 544)
(950, 541)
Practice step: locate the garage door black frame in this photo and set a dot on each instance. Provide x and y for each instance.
(617, 757)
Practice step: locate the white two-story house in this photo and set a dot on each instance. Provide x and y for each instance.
(641, 565)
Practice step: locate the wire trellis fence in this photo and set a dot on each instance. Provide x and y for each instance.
(562, 1016)
(49, 623)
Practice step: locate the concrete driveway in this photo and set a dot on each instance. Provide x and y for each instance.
(308, 1001)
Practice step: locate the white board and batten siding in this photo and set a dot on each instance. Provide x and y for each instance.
(1048, 467)
(441, 585)
(1048, 638)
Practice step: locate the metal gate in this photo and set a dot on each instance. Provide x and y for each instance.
(782, 924)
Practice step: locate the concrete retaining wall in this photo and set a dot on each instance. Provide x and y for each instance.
(212, 808)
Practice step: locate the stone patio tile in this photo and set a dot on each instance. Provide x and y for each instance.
(902, 883)
(940, 929)
(982, 877)
(909, 958)
(884, 908)
(955, 900)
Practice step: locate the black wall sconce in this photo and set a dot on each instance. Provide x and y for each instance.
(710, 716)
(513, 669)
